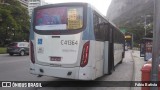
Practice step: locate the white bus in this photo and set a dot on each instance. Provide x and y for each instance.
(74, 41)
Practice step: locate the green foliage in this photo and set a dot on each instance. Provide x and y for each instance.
(14, 22)
(3, 50)
(138, 31)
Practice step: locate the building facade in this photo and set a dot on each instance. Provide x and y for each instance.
(33, 4)
(24, 3)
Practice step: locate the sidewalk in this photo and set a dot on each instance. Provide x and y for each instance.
(138, 63)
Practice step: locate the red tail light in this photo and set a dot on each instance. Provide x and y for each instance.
(32, 52)
(85, 54)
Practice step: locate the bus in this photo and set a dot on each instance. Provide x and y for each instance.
(73, 41)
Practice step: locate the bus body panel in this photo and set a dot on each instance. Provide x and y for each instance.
(99, 57)
(95, 62)
(90, 72)
(61, 55)
(60, 49)
(55, 71)
(118, 50)
(105, 64)
(86, 73)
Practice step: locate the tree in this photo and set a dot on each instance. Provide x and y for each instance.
(14, 22)
(6, 21)
(137, 30)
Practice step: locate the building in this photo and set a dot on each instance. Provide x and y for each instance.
(24, 3)
(31, 4)
(34, 3)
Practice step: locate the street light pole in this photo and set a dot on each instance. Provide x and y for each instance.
(156, 43)
(145, 25)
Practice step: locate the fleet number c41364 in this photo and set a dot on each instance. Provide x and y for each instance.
(69, 42)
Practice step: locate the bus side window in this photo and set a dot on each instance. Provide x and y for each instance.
(102, 32)
(99, 28)
(116, 39)
(96, 26)
(110, 35)
(106, 30)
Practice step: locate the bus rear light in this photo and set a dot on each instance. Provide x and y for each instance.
(85, 54)
(32, 52)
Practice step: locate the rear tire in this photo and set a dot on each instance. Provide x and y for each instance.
(122, 58)
(110, 72)
(120, 62)
(22, 53)
(11, 54)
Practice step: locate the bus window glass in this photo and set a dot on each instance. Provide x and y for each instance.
(99, 29)
(75, 18)
(59, 18)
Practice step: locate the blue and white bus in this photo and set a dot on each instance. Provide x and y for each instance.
(72, 40)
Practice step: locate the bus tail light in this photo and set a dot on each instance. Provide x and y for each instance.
(32, 52)
(85, 54)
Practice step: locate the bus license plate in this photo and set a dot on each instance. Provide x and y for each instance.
(55, 58)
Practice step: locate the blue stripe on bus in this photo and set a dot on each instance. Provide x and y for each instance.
(31, 37)
(91, 25)
(88, 33)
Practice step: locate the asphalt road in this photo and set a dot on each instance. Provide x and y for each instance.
(16, 68)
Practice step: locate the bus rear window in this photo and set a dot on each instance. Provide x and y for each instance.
(59, 18)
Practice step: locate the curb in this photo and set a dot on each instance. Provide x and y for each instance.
(4, 54)
(133, 73)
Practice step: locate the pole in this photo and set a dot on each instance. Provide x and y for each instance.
(145, 24)
(132, 40)
(156, 43)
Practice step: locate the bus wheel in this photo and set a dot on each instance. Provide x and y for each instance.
(109, 73)
(120, 62)
(122, 58)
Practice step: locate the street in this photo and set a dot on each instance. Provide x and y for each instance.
(16, 68)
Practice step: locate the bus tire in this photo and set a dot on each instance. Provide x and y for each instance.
(123, 54)
(109, 73)
(121, 62)
(122, 58)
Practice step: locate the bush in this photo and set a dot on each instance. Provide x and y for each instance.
(3, 50)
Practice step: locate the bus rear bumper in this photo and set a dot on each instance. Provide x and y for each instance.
(60, 72)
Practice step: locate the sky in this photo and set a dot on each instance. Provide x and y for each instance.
(101, 5)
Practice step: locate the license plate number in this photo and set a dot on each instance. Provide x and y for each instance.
(55, 58)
